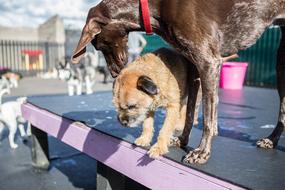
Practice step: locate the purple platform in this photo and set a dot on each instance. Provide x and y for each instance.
(236, 163)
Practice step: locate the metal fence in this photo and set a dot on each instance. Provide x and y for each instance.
(13, 55)
(261, 57)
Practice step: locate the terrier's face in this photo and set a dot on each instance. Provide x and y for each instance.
(133, 97)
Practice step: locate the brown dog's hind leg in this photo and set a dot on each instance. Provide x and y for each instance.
(209, 73)
(198, 103)
(195, 80)
(193, 88)
(272, 140)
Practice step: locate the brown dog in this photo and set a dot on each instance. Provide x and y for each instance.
(155, 80)
(204, 31)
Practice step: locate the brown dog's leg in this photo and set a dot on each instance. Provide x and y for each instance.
(193, 88)
(195, 97)
(198, 103)
(272, 141)
(209, 74)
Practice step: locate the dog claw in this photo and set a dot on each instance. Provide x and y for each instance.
(265, 143)
(197, 156)
(156, 151)
(178, 142)
(14, 146)
(142, 141)
(175, 141)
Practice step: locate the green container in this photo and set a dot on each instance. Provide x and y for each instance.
(153, 42)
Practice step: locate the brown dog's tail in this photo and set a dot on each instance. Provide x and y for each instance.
(234, 56)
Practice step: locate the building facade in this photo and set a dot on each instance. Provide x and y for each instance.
(29, 50)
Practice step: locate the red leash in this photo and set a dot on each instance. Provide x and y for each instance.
(146, 17)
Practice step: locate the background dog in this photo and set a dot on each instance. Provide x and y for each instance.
(4, 88)
(12, 77)
(11, 117)
(78, 76)
(155, 80)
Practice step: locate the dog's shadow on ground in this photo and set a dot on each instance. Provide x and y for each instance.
(4, 134)
(77, 167)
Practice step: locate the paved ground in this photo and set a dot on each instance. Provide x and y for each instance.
(69, 169)
(37, 86)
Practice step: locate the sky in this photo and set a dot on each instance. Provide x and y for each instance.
(31, 13)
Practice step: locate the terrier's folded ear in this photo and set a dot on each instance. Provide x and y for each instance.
(146, 85)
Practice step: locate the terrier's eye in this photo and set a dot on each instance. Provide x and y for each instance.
(133, 106)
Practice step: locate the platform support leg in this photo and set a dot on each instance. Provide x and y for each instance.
(39, 149)
(109, 179)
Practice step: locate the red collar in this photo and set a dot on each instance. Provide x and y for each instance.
(146, 16)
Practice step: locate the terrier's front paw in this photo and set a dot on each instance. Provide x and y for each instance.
(142, 141)
(265, 143)
(157, 150)
(197, 156)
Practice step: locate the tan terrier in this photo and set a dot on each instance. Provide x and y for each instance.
(155, 80)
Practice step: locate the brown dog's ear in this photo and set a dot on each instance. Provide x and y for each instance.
(146, 85)
(90, 30)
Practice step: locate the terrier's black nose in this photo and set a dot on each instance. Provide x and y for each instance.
(125, 123)
(123, 120)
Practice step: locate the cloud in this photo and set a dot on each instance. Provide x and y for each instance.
(31, 13)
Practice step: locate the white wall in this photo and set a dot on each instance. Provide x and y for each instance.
(18, 34)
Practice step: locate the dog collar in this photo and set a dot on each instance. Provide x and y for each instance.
(146, 16)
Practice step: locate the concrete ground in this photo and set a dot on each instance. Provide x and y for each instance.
(69, 170)
(37, 86)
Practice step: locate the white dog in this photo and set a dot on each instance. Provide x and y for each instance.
(11, 116)
(79, 75)
(4, 88)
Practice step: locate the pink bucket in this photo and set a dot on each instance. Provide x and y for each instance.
(232, 75)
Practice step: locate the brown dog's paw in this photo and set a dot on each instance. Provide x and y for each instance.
(265, 143)
(196, 122)
(178, 142)
(175, 141)
(197, 156)
(156, 150)
(142, 141)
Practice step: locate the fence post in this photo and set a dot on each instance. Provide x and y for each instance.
(46, 45)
